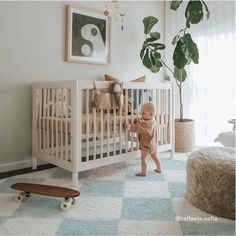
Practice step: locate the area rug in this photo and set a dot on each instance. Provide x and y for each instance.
(113, 201)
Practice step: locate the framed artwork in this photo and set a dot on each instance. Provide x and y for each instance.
(88, 37)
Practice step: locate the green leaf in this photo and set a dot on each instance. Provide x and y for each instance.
(193, 12)
(189, 48)
(158, 63)
(144, 45)
(157, 55)
(175, 4)
(180, 75)
(185, 52)
(177, 37)
(207, 10)
(149, 22)
(179, 57)
(146, 60)
(154, 69)
(142, 53)
(149, 40)
(155, 35)
(157, 46)
(152, 58)
(152, 63)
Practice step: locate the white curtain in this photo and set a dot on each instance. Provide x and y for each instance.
(209, 92)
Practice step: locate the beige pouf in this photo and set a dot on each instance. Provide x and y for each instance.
(211, 181)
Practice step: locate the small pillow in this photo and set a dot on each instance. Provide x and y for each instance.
(140, 79)
(110, 78)
(226, 138)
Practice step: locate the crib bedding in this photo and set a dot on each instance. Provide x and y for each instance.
(64, 124)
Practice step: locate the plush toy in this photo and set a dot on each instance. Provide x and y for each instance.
(116, 88)
(94, 104)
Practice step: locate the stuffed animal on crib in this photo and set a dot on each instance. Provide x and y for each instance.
(117, 90)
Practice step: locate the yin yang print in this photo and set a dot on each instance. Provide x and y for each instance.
(88, 37)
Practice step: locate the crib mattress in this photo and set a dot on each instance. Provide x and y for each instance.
(93, 124)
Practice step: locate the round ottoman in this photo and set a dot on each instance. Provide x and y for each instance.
(211, 181)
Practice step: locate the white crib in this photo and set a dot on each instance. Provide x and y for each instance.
(70, 134)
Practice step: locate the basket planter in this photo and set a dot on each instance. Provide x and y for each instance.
(184, 135)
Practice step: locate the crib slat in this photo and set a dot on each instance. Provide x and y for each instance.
(57, 123)
(108, 132)
(168, 117)
(162, 116)
(157, 115)
(101, 121)
(138, 112)
(171, 120)
(121, 124)
(126, 119)
(47, 115)
(114, 127)
(87, 125)
(44, 118)
(132, 118)
(52, 120)
(34, 122)
(61, 122)
(166, 112)
(40, 118)
(163, 120)
(66, 124)
(94, 130)
(143, 97)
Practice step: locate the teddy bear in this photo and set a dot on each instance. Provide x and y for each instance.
(117, 90)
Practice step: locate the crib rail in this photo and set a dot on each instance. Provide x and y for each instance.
(69, 133)
(53, 119)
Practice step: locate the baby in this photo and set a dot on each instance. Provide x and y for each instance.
(145, 127)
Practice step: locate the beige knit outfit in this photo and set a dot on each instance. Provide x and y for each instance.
(147, 135)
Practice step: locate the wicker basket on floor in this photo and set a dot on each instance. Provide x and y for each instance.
(184, 135)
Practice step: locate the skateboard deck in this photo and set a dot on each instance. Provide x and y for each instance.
(46, 190)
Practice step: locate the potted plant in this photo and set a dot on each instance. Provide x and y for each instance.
(185, 52)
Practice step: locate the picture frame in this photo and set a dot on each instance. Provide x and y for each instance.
(87, 37)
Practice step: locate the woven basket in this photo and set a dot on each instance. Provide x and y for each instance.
(184, 135)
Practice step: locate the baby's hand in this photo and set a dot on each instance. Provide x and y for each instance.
(139, 118)
(127, 125)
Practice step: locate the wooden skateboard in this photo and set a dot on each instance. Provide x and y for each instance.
(46, 190)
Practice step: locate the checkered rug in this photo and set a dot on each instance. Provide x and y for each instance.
(113, 201)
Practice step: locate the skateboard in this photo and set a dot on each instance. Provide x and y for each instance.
(46, 190)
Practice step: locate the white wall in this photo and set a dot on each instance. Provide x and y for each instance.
(32, 39)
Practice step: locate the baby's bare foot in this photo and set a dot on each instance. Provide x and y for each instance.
(141, 174)
(158, 170)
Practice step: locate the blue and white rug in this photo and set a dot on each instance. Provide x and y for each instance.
(113, 201)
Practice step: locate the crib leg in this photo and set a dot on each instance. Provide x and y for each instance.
(75, 180)
(172, 153)
(34, 163)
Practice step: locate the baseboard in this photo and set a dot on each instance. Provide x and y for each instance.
(18, 165)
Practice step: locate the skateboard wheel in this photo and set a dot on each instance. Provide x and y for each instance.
(75, 200)
(19, 198)
(66, 204)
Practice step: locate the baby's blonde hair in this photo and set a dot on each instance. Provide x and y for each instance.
(149, 107)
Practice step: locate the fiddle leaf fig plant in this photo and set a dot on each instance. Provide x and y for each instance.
(186, 50)
(150, 52)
